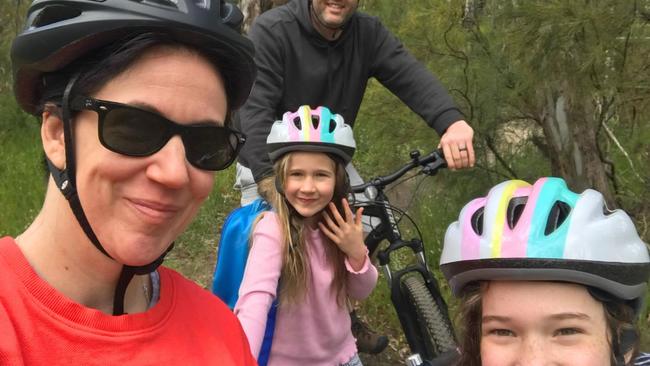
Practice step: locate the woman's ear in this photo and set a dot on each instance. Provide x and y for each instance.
(53, 138)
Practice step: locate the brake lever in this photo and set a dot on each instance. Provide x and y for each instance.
(431, 169)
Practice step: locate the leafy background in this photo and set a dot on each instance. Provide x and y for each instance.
(509, 65)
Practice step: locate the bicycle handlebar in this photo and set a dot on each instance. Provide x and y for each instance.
(430, 163)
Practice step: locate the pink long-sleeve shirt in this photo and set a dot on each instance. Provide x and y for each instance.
(315, 331)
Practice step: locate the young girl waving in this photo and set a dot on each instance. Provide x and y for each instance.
(308, 253)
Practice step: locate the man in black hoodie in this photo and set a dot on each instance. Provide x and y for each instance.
(322, 52)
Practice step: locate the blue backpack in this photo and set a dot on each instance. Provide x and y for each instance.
(232, 254)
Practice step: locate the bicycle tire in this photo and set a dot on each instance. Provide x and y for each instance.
(435, 330)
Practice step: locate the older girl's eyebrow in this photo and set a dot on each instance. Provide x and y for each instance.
(558, 316)
(495, 318)
(570, 315)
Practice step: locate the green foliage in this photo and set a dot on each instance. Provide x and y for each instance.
(11, 18)
(494, 64)
(22, 182)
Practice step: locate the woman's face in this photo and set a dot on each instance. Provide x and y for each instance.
(137, 206)
(542, 323)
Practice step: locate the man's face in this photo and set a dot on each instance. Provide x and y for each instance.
(334, 13)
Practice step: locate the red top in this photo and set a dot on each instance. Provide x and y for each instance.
(40, 326)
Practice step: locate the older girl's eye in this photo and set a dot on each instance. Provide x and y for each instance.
(567, 331)
(502, 332)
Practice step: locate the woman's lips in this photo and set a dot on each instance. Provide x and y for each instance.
(154, 211)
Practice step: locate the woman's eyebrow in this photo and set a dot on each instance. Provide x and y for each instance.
(151, 108)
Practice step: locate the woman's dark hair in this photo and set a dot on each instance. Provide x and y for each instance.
(619, 317)
(100, 67)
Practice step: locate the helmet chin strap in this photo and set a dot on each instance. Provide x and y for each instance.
(65, 180)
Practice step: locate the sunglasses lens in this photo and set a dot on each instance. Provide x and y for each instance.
(210, 148)
(133, 132)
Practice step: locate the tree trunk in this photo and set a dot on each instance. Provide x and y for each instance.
(252, 8)
(570, 128)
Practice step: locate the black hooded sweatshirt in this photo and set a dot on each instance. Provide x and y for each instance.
(297, 66)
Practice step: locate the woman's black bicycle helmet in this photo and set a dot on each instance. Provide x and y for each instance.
(58, 32)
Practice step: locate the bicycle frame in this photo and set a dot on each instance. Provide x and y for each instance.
(389, 230)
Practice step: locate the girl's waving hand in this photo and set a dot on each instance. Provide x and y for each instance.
(346, 233)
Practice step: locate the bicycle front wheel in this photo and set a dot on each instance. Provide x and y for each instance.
(435, 329)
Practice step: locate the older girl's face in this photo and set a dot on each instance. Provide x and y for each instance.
(542, 323)
(137, 206)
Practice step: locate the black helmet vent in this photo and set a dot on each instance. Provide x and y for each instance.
(332, 126)
(54, 14)
(477, 221)
(315, 120)
(515, 209)
(297, 122)
(559, 212)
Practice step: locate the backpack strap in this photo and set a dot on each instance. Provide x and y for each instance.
(265, 350)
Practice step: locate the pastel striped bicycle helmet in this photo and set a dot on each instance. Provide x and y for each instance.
(546, 232)
(310, 129)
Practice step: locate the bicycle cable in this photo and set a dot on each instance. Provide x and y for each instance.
(397, 210)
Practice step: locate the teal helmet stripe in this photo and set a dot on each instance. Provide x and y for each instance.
(552, 245)
(325, 121)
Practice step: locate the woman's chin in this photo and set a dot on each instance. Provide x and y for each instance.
(140, 252)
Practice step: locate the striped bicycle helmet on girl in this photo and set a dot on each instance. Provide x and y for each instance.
(546, 232)
(310, 129)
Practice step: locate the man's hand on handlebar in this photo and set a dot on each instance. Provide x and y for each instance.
(457, 145)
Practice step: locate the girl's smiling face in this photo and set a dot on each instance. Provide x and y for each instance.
(309, 182)
(542, 323)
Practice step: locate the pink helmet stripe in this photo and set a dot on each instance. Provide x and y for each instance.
(522, 232)
(513, 245)
(294, 132)
(471, 242)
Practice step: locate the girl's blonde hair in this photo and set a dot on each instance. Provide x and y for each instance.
(295, 264)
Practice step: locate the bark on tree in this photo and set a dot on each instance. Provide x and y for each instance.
(253, 8)
(570, 125)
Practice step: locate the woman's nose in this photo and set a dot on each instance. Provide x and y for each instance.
(169, 166)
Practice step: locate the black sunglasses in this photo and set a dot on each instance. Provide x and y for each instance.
(132, 131)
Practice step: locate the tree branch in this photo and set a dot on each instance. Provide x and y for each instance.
(613, 138)
(490, 144)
